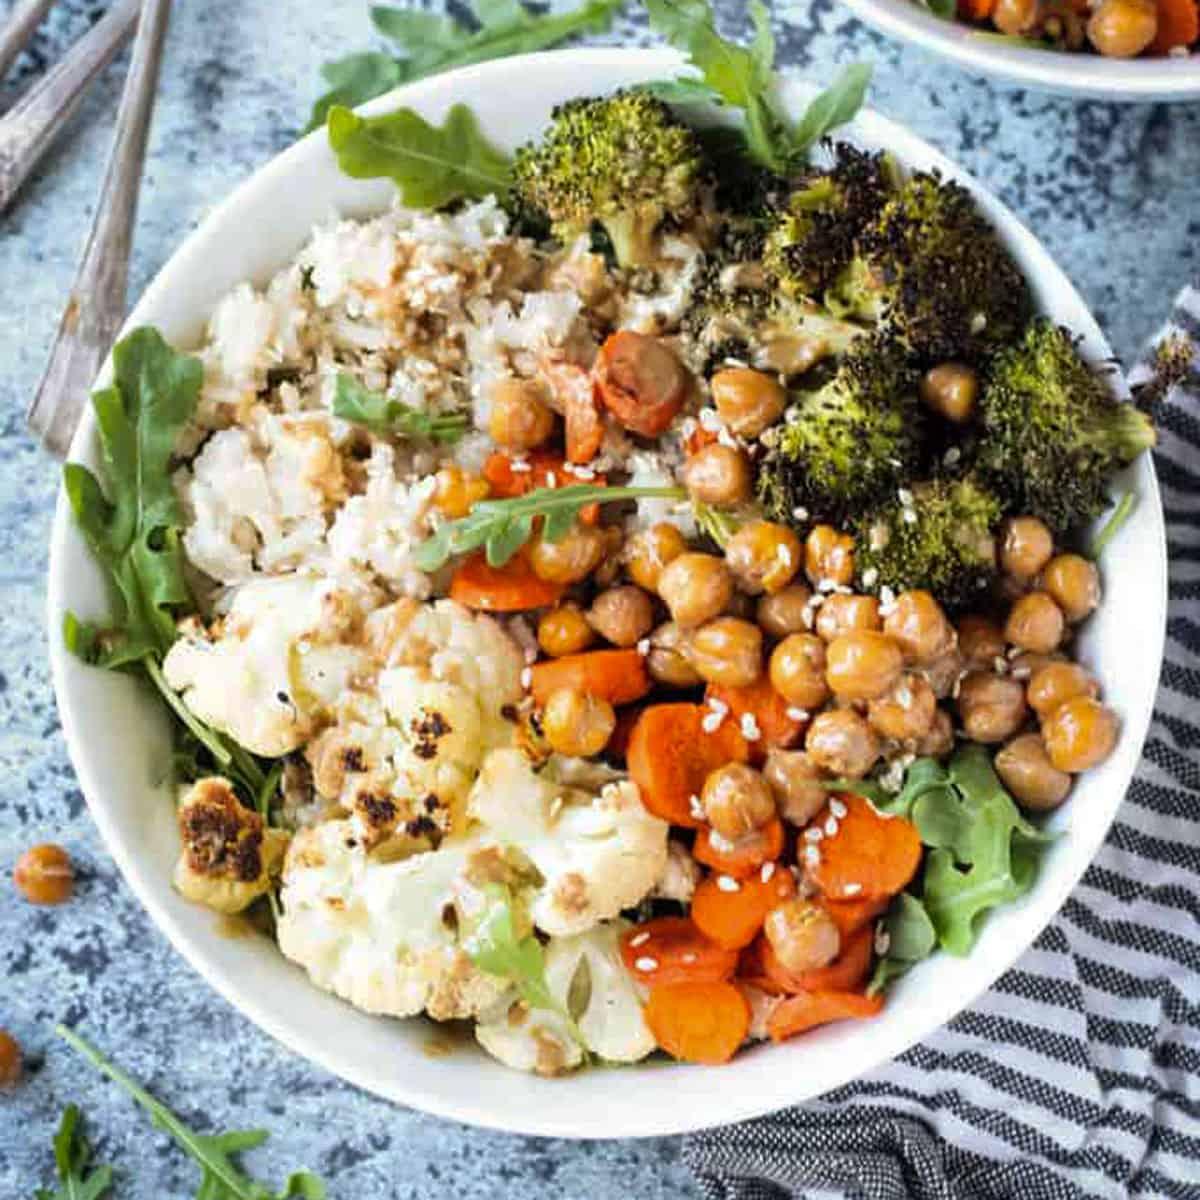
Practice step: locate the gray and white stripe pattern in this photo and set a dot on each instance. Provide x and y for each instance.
(1078, 1074)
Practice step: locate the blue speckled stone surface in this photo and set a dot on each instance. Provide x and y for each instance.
(1111, 191)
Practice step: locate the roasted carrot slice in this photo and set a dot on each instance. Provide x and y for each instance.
(673, 950)
(510, 588)
(547, 468)
(1178, 25)
(731, 912)
(975, 10)
(575, 397)
(640, 381)
(851, 915)
(869, 856)
(810, 1009)
(671, 753)
(846, 973)
(698, 1022)
(769, 711)
(743, 857)
(618, 743)
(618, 676)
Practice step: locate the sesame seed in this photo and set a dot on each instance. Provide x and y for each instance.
(719, 841)
(687, 427)
(519, 466)
(646, 963)
(831, 827)
(768, 869)
(583, 472)
(718, 705)
(978, 322)
(709, 420)
(952, 456)
(870, 577)
(712, 722)
(643, 647)
(838, 808)
(728, 884)
(909, 516)
(1000, 663)
(800, 513)
(750, 729)
(826, 585)
(807, 617)
(551, 479)
(812, 856)
(797, 714)
(725, 438)
(905, 497)
(883, 941)
(639, 939)
(813, 834)
(526, 678)
(886, 595)
(695, 807)
(688, 956)
(1014, 652)
(852, 889)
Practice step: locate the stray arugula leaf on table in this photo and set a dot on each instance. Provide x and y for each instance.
(222, 1178)
(504, 526)
(72, 1161)
(358, 404)
(430, 164)
(428, 43)
(743, 77)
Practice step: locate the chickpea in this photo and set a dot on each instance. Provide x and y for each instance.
(763, 556)
(563, 631)
(718, 474)
(797, 670)
(904, 712)
(862, 665)
(667, 661)
(572, 558)
(939, 741)
(950, 390)
(1025, 769)
(520, 418)
(980, 642)
(622, 615)
(991, 707)
(456, 491)
(943, 673)
(727, 651)
(1123, 28)
(647, 552)
(747, 401)
(783, 613)
(44, 875)
(1035, 623)
(1025, 547)
(802, 934)
(1080, 734)
(1016, 17)
(737, 801)
(1074, 583)
(917, 624)
(576, 723)
(841, 742)
(695, 587)
(10, 1060)
(794, 779)
(828, 555)
(840, 613)
(609, 570)
(1055, 684)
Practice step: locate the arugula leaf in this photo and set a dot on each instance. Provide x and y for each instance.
(744, 77)
(428, 44)
(923, 777)
(353, 402)
(946, 9)
(72, 1154)
(504, 526)
(493, 946)
(222, 1179)
(911, 937)
(134, 530)
(430, 164)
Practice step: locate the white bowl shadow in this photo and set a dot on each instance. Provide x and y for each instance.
(118, 738)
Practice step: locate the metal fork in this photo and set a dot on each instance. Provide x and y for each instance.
(96, 306)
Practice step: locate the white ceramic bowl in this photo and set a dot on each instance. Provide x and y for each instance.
(1084, 75)
(117, 732)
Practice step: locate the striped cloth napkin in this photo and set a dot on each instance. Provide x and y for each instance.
(1078, 1074)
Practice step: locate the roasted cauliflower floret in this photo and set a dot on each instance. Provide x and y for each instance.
(597, 854)
(382, 935)
(274, 665)
(227, 855)
(587, 979)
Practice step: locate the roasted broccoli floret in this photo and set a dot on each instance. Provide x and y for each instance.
(846, 445)
(932, 272)
(937, 536)
(1052, 431)
(813, 234)
(623, 161)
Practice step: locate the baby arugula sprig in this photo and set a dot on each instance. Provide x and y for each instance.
(434, 165)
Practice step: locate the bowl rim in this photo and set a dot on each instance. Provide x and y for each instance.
(733, 1104)
(1091, 76)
